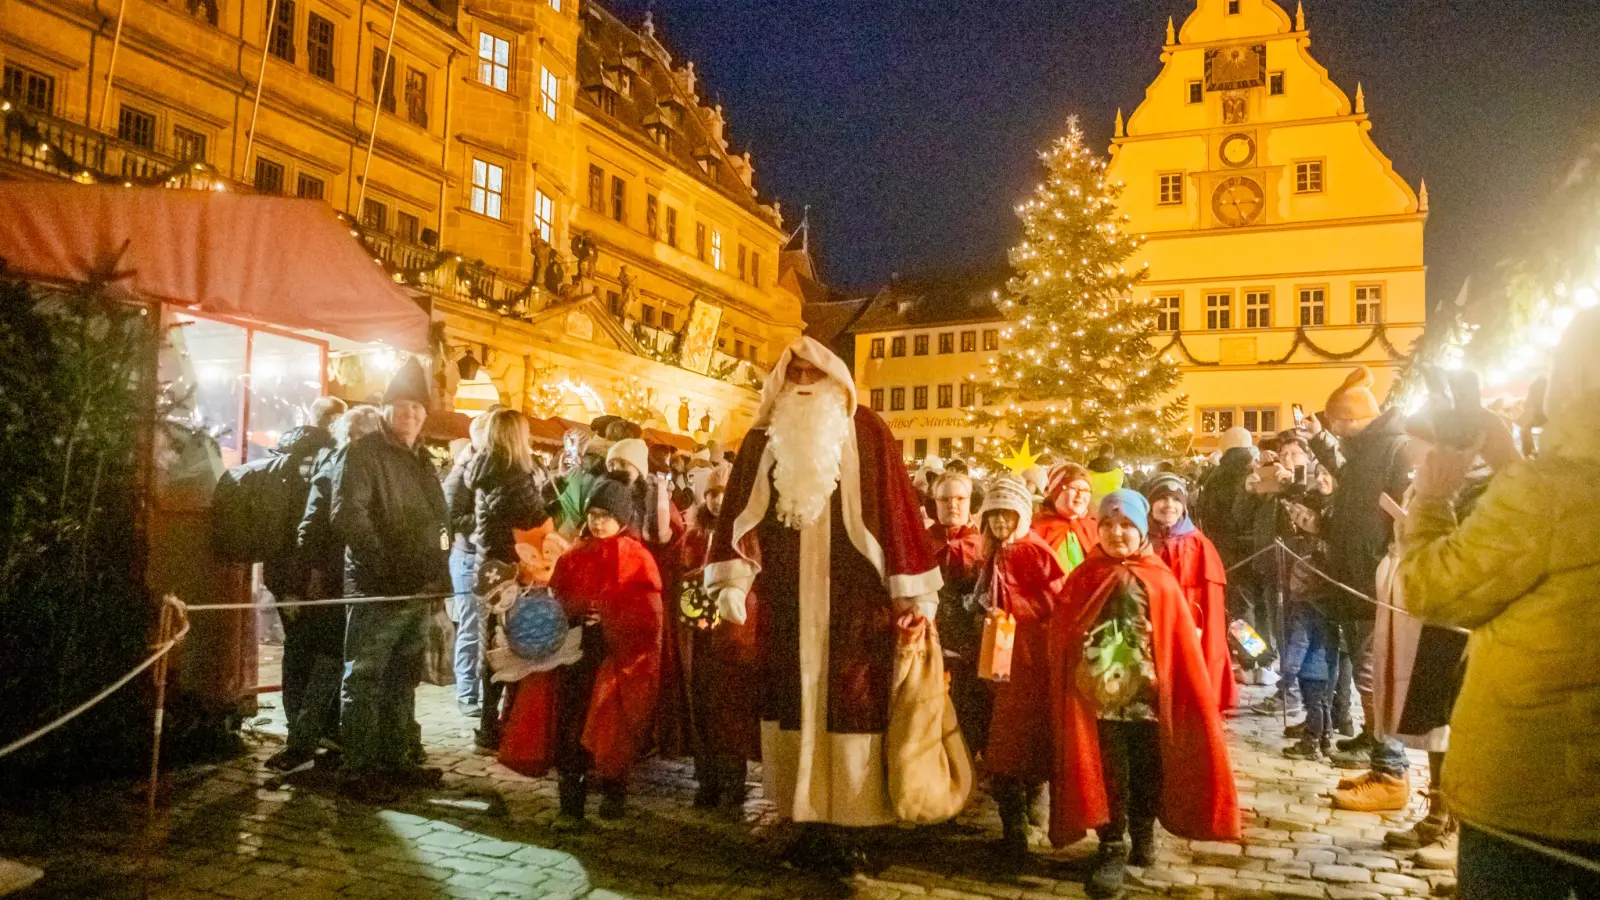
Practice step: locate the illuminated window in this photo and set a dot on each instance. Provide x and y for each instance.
(876, 351)
(544, 216)
(1169, 312)
(945, 448)
(1219, 311)
(494, 61)
(549, 93)
(969, 394)
(1216, 420)
(1308, 177)
(1171, 189)
(1258, 309)
(488, 185)
(991, 339)
(716, 250)
(1369, 304)
(897, 399)
(1313, 307)
(919, 345)
(969, 341)
(947, 342)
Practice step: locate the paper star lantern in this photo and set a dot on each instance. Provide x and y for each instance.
(1021, 460)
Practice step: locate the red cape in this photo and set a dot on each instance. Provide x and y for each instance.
(1054, 529)
(721, 667)
(1201, 574)
(674, 735)
(959, 553)
(1029, 584)
(1198, 798)
(617, 580)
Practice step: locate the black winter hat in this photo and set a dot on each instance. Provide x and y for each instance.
(409, 383)
(614, 497)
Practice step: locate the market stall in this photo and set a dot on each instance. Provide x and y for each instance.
(254, 297)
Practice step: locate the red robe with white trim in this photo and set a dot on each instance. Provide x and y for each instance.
(1198, 797)
(1201, 574)
(1028, 583)
(861, 634)
(721, 664)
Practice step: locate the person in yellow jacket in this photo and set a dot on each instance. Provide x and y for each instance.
(1522, 571)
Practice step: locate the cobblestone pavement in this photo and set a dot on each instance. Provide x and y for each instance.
(235, 832)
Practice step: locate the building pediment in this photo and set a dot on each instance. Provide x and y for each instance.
(584, 321)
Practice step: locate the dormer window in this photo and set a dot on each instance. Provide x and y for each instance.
(672, 110)
(620, 74)
(625, 83)
(655, 124)
(707, 159)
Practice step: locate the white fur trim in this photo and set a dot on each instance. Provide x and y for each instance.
(903, 586)
(733, 573)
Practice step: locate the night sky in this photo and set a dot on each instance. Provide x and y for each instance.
(911, 126)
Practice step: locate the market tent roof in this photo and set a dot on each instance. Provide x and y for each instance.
(668, 439)
(276, 260)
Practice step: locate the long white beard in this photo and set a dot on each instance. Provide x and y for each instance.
(807, 436)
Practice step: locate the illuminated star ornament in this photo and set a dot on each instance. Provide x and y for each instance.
(1021, 460)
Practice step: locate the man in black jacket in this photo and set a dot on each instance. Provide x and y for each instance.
(288, 574)
(389, 512)
(1365, 448)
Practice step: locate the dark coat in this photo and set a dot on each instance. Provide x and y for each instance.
(1218, 511)
(389, 511)
(285, 572)
(1355, 529)
(503, 499)
(319, 546)
(459, 500)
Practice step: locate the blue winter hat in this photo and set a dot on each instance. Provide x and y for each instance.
(1129, 504)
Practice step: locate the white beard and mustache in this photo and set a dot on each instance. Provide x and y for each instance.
(807, 436)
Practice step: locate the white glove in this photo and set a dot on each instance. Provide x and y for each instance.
(730, 605)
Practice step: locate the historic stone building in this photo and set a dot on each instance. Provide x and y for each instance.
(548, 176)
(1283, 246)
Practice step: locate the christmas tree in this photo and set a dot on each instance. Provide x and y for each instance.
(1080, 369)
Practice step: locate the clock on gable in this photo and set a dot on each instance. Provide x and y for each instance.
(1238, 201)
(1237, 150)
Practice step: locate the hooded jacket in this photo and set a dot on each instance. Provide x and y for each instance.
(285, 572)
(1522, 570)
(388, 509)
(1355, 528)
(1218, 510)
(504, 499)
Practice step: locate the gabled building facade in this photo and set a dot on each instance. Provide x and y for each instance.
(1283, 247)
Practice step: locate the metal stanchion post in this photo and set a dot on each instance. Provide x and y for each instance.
(1283, 631)
(164, 633)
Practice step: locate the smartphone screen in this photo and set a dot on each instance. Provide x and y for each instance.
(1299, 415)
(1300, 475)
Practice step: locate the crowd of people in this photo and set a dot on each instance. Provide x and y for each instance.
(1096, 622)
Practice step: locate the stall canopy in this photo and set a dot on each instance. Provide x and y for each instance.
(279, 261)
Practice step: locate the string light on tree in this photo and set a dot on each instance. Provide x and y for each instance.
(1077, 319)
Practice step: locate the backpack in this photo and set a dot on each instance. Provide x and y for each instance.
(249, 511)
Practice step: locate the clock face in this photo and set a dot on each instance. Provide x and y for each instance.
(1238, 201)
(1238, 150)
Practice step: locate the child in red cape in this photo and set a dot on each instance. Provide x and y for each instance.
(1137, 733)
(603, 704)
(1191, 557)
(1065, 522)
(1022, 577)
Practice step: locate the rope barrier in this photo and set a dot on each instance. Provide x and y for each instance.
(80, 709)
(333, 601)
(1350, 590)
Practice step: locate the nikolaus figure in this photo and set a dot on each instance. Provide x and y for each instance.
(1189, 554)
(1137, 733)
(822, 526)
(958, 548)
(1065, 522)
(1022, 578)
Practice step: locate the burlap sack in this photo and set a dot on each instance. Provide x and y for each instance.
(930, 768)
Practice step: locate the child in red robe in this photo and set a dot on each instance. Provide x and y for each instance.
(721, 672)
(1065, 522)
(604, 706)
(1022, 577)
(1137, 733)
(1191, 557)
(958, 548)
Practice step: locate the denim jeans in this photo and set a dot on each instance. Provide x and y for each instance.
(1354, 683)
(383, 650)
(1302, 618)
(464, 609)
(1496, 869)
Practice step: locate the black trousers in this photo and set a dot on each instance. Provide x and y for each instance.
(313, 664)
(1130, 762)
(572, 705)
